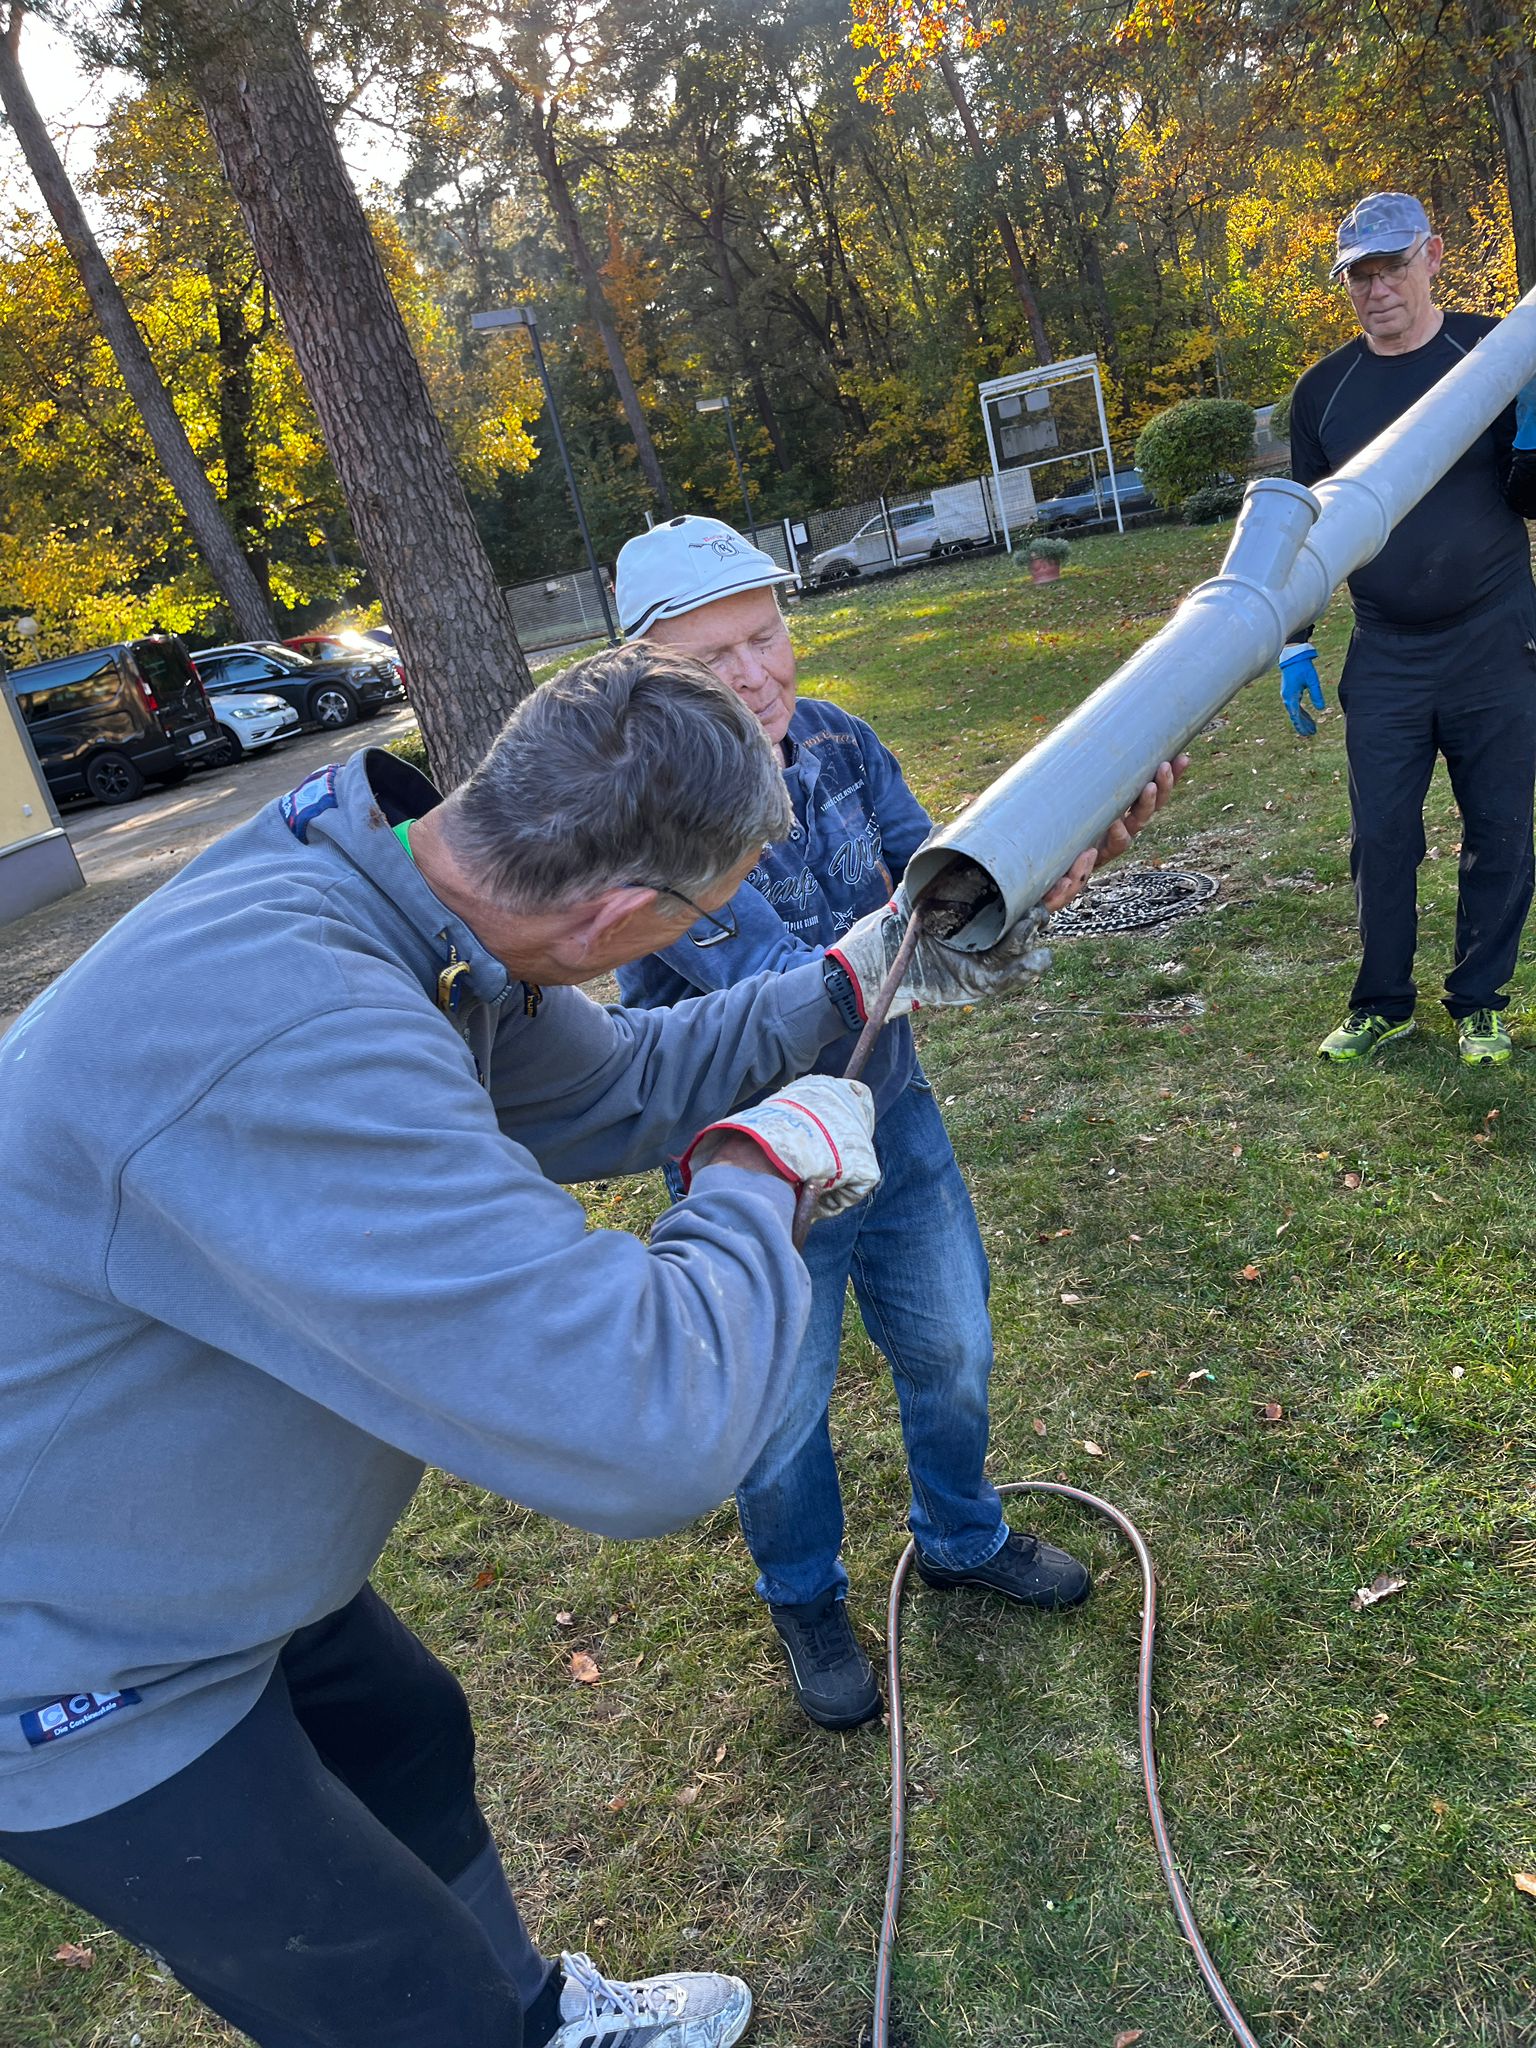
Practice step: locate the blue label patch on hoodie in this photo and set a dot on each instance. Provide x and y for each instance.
(301, 806)
(79, 1710)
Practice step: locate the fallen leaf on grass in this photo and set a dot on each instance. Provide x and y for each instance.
(584, 1668)
(1094, 1450)
(74, 1957)
(689, 1795)
(617, 1803)
(485, 1578)
(565, 1617)
(1038, 1426)
(1269, 1411)
(1048, 1236)
(1351, 1180)
(1249, 1273)
(1146, 1373)
(1491, 1117)
(1125, 2038)
(1070, 1300)
(1382, 1587)
(1378, 1720)
(1524, 1882)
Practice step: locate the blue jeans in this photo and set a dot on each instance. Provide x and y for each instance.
(913, 1253)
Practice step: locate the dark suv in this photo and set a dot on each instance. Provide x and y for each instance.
(327, 694)
(107, 722)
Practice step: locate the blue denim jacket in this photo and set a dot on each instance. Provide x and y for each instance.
(856, 826)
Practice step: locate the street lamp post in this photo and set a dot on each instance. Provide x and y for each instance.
(723, 404)
(523, 316)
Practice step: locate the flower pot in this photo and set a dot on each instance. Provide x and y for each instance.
(1043, 572)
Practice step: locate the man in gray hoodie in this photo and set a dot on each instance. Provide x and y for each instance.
(281, 1155)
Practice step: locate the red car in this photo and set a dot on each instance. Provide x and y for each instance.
(347, 645)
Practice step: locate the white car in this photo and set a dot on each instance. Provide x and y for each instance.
(251, 720)
(914, 528)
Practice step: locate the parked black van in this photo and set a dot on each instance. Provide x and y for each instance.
(111, 720)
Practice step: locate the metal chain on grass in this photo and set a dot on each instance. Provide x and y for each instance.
(1131, 899)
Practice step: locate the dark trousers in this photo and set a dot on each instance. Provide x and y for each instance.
(1470, 694)
(322, 1876)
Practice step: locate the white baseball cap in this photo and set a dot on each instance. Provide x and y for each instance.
(685, 563)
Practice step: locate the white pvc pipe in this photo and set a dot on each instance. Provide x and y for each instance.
(1290, 551)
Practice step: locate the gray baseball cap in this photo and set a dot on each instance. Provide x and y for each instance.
(1383, 224)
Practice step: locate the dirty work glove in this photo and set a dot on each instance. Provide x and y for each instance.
(819, 1133)
(1525, 417)
(936, 974)
(1298, 679)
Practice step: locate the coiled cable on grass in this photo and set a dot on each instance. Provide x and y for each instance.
(1220, 1996)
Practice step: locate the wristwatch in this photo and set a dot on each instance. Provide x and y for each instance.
(841, 988)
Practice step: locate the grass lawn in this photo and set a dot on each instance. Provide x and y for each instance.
(1163, 1192)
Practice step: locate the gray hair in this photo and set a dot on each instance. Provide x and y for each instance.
(634, 768)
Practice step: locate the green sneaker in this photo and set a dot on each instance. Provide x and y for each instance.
(1483, 1039)
(1361, 1034)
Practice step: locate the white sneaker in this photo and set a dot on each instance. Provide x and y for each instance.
(679, 2010)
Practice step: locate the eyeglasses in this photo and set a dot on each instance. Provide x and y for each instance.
(1359, 282)
(723, 927)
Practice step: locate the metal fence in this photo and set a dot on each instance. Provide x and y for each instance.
(557, 611)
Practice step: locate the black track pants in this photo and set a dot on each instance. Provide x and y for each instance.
(1469, 694)
(298, 1876)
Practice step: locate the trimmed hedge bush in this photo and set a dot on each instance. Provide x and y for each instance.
(1200, 442)
(1216, 501)
(1280, 418)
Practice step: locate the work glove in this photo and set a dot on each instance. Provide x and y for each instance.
(1298, 679)
(1525, 417)
(818, 1133)
(936, 974)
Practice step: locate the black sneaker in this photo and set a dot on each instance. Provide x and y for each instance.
(1035, 1574)
(829, 1673)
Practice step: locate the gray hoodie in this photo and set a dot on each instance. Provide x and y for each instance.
(279, 1232)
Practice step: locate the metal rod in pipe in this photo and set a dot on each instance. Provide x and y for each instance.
(1290, 551)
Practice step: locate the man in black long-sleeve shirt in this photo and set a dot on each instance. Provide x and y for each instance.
(1443, 655)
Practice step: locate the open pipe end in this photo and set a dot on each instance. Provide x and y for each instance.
(962, 905)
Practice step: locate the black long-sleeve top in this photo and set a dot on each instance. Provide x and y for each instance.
(1464, 545)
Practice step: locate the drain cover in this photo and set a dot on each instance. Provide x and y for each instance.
(1129, 898)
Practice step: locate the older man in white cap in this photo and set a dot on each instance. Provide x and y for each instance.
(1443, 657)
(912, 1250)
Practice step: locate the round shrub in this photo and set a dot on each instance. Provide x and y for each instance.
(1215, 501)
(1203, 441)
(1280, 417)
(1050, 547)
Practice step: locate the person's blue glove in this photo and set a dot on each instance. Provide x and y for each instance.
(1525, 417)
(1298, 679)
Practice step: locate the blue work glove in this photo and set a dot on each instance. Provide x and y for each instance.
(1298, 679)
(1525, 416)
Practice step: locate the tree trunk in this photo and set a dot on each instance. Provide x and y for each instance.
(541, 132)
(247, 66)
(1090, 266)
(234, 347)
(1506, 69)
(211, 535)
(1018, 269)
